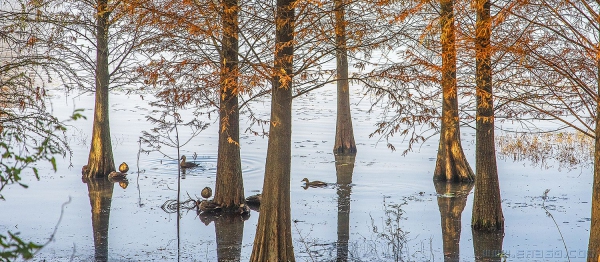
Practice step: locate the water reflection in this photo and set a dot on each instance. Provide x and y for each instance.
(594, 243)
(452, 199)
(488, 245)
(100, 192)
(344, 167)
(229, 229)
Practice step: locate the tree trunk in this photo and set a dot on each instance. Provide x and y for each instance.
(487, 208)
(101, 161)
(273, 240)
(344, 168)
(452, 199)
(229, 188)
(229, 230)
(100, 191)
(451, 164)
(594, 243)
(344, 134)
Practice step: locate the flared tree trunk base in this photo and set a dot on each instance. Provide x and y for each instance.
(451, 164)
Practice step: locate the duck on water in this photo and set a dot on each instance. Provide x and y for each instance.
(184, 164)
(314, 183)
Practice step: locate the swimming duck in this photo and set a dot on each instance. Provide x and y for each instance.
(313, 183)
(208, 206)
(254, 199)
(116, 175)
(123, 167)
(243, 209)
(206, 192)
(184, 164)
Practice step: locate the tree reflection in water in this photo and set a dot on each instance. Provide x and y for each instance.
(452, 199)
(594, 243)
(229, 231)
(100, 192)
(488, 245)
(344, 167)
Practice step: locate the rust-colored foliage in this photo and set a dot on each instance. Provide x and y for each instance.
(556, 71)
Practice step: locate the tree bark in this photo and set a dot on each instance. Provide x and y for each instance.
(100, 192)
(344, 133)
(594, 243)
(452, 199)
(273, 240)
(451, 164)
(487, 208)
(344, 168)
(229, 188)
(101, 161)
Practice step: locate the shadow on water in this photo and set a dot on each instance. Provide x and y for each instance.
(344, 167)
(452, 199)
(100, 192)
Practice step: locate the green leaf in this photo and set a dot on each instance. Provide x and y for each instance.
(53, 161)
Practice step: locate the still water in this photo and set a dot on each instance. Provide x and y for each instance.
(380, 207)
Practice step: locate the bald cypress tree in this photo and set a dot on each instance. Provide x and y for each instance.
(451, 164)
(273, 240)
(100, 160)
(344, 133)
(229, 188)
(487, 207)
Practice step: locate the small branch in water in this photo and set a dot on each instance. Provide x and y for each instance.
(62, 212)
(303, 241)
(544, 197)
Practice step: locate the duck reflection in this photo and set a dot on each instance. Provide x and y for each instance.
(452, 199)
(100, 192)
(344, 167)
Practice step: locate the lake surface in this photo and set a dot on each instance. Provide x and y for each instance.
(390, 211)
